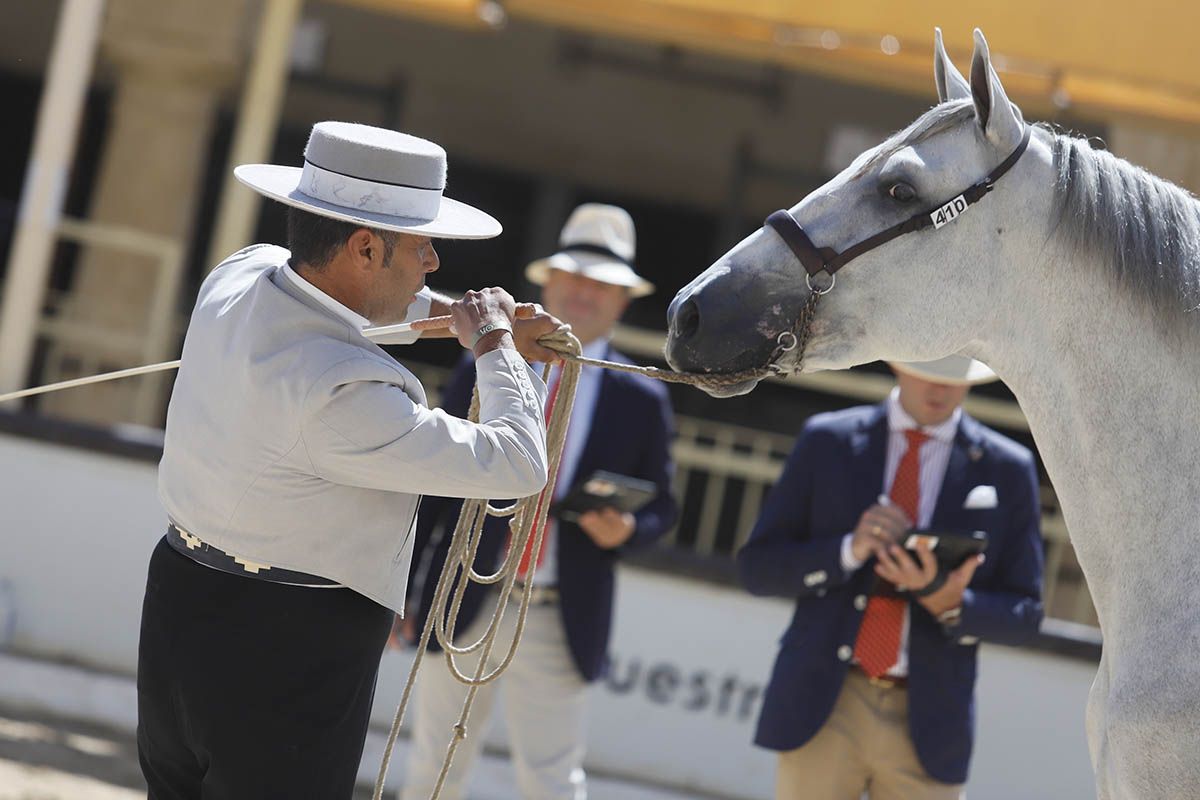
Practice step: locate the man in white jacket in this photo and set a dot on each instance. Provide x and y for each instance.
(296, 454)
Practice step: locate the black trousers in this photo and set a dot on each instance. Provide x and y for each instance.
(250, 689)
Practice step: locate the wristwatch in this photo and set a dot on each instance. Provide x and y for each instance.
(950, 618)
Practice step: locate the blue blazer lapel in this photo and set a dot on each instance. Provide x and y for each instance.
(961, 472)
(868, 447)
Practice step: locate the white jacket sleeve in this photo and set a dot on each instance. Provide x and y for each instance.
(363, 429)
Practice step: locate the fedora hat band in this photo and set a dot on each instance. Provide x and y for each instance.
(597, 250)
(366, 195)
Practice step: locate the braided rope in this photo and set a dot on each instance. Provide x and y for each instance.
(529, 518)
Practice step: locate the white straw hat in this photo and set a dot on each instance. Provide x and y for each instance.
(953, 370)
(375, 177)
(597, 242)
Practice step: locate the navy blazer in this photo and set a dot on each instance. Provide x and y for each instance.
(630, 434)
(834, 473)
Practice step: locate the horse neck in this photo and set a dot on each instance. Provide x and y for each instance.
(1109, 392)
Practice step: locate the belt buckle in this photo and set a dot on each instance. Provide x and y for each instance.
(882, 683)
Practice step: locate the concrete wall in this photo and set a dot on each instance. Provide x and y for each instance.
(76, 530)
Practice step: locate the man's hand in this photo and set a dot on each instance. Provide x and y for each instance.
(878, 527)
(951, 594)
(476, 309)
(608, 527)
(897, 566)
(532, 323)
(404, 631)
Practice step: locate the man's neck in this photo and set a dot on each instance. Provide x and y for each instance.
(324, 280)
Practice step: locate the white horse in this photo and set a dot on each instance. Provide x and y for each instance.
(1077, 279)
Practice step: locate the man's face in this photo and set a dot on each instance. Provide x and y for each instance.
(927, 402)
(589, 306)
(397, 274)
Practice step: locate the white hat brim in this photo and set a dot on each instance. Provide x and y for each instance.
(946, 370)
(590, 265)
(455, 220)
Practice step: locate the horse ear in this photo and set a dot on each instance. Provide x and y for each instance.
(999, 118)
(951, 85)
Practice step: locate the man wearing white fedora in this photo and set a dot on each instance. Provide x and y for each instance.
(621, 424)
(296, 454)
(873, 687)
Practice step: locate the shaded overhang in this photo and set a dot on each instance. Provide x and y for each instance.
(1101, 60)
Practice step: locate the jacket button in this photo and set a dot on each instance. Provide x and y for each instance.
(860, 602)
(844, 652)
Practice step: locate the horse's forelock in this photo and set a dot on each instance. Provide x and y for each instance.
(940, 118)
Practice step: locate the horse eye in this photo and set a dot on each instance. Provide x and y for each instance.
(902, 192)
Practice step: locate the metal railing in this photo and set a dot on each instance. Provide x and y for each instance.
(724, 471)
(727, 470)
(737, 466)
(77, 348)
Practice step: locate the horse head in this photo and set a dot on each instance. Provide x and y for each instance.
(919, 294)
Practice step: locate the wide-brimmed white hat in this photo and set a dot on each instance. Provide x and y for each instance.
(597, 242)
(374, 177)
(953, 370)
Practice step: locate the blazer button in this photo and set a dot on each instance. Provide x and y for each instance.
(844, 652)
(860, 602)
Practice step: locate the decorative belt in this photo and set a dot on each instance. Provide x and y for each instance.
(204, 553)
(883, 682)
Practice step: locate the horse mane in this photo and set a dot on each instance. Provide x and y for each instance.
(1145, 228)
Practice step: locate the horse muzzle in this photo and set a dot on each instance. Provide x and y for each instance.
(727, 324)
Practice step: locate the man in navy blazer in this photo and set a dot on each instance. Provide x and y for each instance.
(621, 423)
(873, 687)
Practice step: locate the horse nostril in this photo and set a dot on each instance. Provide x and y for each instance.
(687, 320)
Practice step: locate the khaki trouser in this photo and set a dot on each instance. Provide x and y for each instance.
(864, 747)
(545, 705)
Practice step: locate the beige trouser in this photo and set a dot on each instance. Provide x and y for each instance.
(545, 703)
(864, 747)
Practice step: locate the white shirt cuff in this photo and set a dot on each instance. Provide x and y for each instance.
(849, 562)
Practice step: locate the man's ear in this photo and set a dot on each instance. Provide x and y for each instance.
(361, 246)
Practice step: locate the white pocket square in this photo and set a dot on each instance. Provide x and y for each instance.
(981, 497)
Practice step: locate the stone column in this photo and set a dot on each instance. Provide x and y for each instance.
(174, 59)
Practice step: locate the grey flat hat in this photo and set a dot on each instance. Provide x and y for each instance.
(953, 370)
(374, 177)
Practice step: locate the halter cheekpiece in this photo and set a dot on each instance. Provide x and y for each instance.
(825, 259)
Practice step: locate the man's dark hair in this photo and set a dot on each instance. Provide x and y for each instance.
(314, 239)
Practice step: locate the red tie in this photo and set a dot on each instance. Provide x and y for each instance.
(878, 646)
(523, 567)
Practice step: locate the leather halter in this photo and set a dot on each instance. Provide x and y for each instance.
(826, 259)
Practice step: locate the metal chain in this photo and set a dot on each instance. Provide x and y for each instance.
(794, 339)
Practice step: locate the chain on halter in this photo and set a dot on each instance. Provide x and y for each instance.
(794, 339)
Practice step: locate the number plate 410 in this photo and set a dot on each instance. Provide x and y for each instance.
(948, 212)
